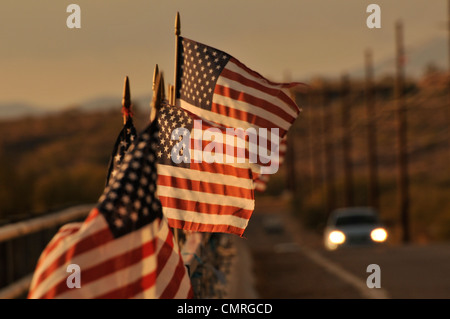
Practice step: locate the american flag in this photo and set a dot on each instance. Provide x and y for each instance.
(124, 248)
(197, 195)
(217, 87)
(126, 137)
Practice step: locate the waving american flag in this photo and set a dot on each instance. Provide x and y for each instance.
(219, 88)
(214, 87)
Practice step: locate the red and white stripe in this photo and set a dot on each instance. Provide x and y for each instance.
(207, 197)
(142, 264)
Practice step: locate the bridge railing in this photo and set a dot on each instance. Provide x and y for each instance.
(21, 244)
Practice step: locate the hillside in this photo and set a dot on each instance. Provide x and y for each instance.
(49, 162)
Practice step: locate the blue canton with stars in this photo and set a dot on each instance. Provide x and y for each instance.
(129, 202)
(199, 68)
(171, 118)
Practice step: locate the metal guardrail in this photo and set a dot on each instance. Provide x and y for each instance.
(17, 288)
(19, 229)
(14, 231)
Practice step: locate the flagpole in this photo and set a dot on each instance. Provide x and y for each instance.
(155, 73)
(173, 90)
(170, 93)
(158, 94)
(402, 152)
(155, 93)
(177, 35)
(126, 100)
(162, 91)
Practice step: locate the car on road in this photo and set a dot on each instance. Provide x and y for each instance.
(354, 226)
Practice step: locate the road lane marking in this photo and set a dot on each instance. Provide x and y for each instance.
(357, 283)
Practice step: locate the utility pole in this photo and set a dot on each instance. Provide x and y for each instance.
(448, 80)
(316, 100)
(327, 118)
(290, 158)
(176, 79)
(313, 162)
(371, 133)
(402, 156)
(346, 140)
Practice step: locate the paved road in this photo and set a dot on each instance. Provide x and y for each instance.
(289, 262)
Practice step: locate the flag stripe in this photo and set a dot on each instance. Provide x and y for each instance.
(258, 107)
(198, 186)
(235, 70)
(209, 209)
(174, 271)
(250, 118)
(204, 218)
(217, 199)
(230, 152)
(225, 171)
(229, 175)
(215, 117)
(182, 292)
(174, 282)
(256, 75)
(249, 136)
(139, 286)
(107, 267)
(273, 100)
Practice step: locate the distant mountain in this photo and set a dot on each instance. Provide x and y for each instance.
(100, 103)
(109, 102)
(17, 109)
(12, 110)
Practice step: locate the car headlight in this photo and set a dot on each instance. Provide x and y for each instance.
(336, 237)
(378, 235)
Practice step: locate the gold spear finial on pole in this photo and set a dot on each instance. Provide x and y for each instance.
(155, 74)
(177, 24)
(126, 100)
(158, 94)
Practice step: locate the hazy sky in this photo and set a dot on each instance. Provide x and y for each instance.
(45, 63)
